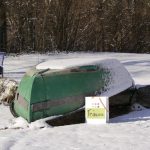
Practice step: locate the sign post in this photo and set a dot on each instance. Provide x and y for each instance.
(97, 110)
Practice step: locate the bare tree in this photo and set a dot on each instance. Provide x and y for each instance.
(70, 25)
(3, 42)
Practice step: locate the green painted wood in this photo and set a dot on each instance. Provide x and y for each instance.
(65, 89)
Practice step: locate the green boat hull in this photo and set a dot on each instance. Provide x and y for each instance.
(44, 93)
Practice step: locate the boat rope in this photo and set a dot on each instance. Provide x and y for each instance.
(102, 104)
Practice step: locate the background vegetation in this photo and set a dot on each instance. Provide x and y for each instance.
(76, 25)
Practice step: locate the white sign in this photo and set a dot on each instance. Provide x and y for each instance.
(97, 110)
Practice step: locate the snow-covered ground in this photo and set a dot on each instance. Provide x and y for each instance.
(130, 131)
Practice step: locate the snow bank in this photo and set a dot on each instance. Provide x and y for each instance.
(21, 123)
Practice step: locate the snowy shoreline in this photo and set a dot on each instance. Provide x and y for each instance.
(130, 131)
(136, 64)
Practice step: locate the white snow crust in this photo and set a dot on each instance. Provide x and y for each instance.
(120, 79)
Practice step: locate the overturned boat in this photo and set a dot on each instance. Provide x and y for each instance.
(58, 87)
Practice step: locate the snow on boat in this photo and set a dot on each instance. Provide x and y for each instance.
(59, 87)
